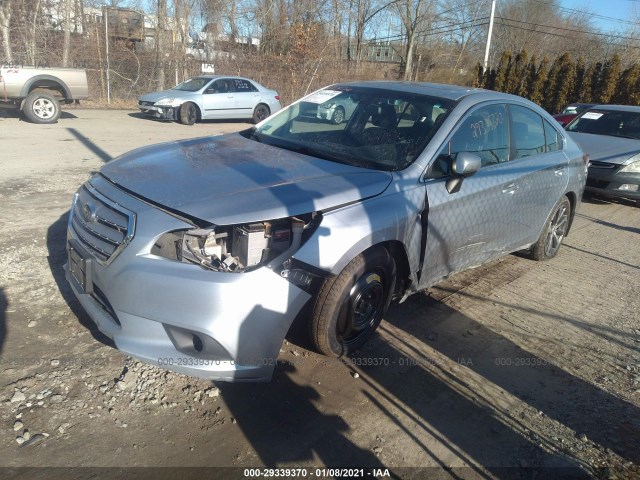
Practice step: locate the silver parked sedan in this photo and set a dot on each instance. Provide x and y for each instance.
(197, 255)
(210, 97)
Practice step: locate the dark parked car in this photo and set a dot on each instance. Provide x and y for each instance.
(610, 135)
(571, 112)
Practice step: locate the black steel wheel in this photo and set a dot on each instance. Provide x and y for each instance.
(349, 307)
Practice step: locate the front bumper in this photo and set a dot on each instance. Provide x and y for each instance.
(607, 182)
(139, 299)
(162, 113)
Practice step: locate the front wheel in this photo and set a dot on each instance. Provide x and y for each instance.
(40, 107)
(349, 307)
(188, 113)
(338, 116)
(260, 113)
(553, 233)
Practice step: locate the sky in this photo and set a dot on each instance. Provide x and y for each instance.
(624, 10)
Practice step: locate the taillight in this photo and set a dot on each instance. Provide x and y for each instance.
(277, 97)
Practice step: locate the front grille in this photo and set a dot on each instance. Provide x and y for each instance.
(603, 165)
(103, 226)
(145, 104)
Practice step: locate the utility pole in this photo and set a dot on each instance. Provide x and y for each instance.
(486, 52)
(106, 40)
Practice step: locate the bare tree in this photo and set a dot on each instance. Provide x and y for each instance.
(67, 33)
(5, 28)
(415, 16)
(161, 26)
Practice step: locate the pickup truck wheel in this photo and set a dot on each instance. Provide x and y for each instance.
(188, 113)
(553, 233)
(40, 107)
(349, 307)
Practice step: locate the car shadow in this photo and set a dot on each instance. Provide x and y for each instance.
(282, 423)
(57, 257)
(596, 199)
(429, 334)
(141, 115)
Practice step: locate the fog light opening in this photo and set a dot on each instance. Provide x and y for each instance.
(628, 187)
(198, 346)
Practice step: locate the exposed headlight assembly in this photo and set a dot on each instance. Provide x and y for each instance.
(239, 248)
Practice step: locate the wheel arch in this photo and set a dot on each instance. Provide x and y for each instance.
(198, 111)
(573, 201)
(47, 82)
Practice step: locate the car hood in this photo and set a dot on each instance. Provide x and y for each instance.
(230, 179)
(155, 96)
(604, 148)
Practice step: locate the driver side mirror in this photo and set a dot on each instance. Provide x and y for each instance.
(210, 90)
(465, 165)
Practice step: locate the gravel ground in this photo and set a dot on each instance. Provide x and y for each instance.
(497, 372)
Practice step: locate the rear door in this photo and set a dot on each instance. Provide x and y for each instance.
(537, 151)
(247, 97)
(477, 223)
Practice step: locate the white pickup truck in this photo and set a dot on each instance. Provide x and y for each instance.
(38, 92)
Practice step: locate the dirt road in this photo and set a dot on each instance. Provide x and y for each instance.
(510, 366)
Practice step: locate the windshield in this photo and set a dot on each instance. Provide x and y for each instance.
(193, 84)
(367, 127)
(601, 121)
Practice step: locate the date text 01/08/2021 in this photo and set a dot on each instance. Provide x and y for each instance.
(317, 472)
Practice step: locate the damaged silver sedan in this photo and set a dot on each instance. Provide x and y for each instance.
(198, 255)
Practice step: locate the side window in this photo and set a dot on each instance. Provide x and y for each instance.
(220, 86)
(241, 85)
(552, 138)
(484, 132)
(528, 132)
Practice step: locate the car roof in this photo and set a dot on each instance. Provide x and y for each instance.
(618, 108)
(450, 92)
(222, 76)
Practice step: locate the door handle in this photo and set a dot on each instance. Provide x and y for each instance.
(230, 96)
(511, 188)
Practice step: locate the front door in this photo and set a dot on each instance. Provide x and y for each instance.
(218, 99)
(477, 223)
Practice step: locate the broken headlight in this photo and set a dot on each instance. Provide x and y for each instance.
(238, 248)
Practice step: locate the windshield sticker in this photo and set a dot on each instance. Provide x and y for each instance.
(592, 115)
(321, 96)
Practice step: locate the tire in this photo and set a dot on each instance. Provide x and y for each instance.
(260, 113)
(40, 107)
(188, 113)
(349, 307)
(555, 229)
(338, 116)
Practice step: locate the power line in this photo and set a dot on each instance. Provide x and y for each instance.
(591, 14)
(587, 32)
(556, 34)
